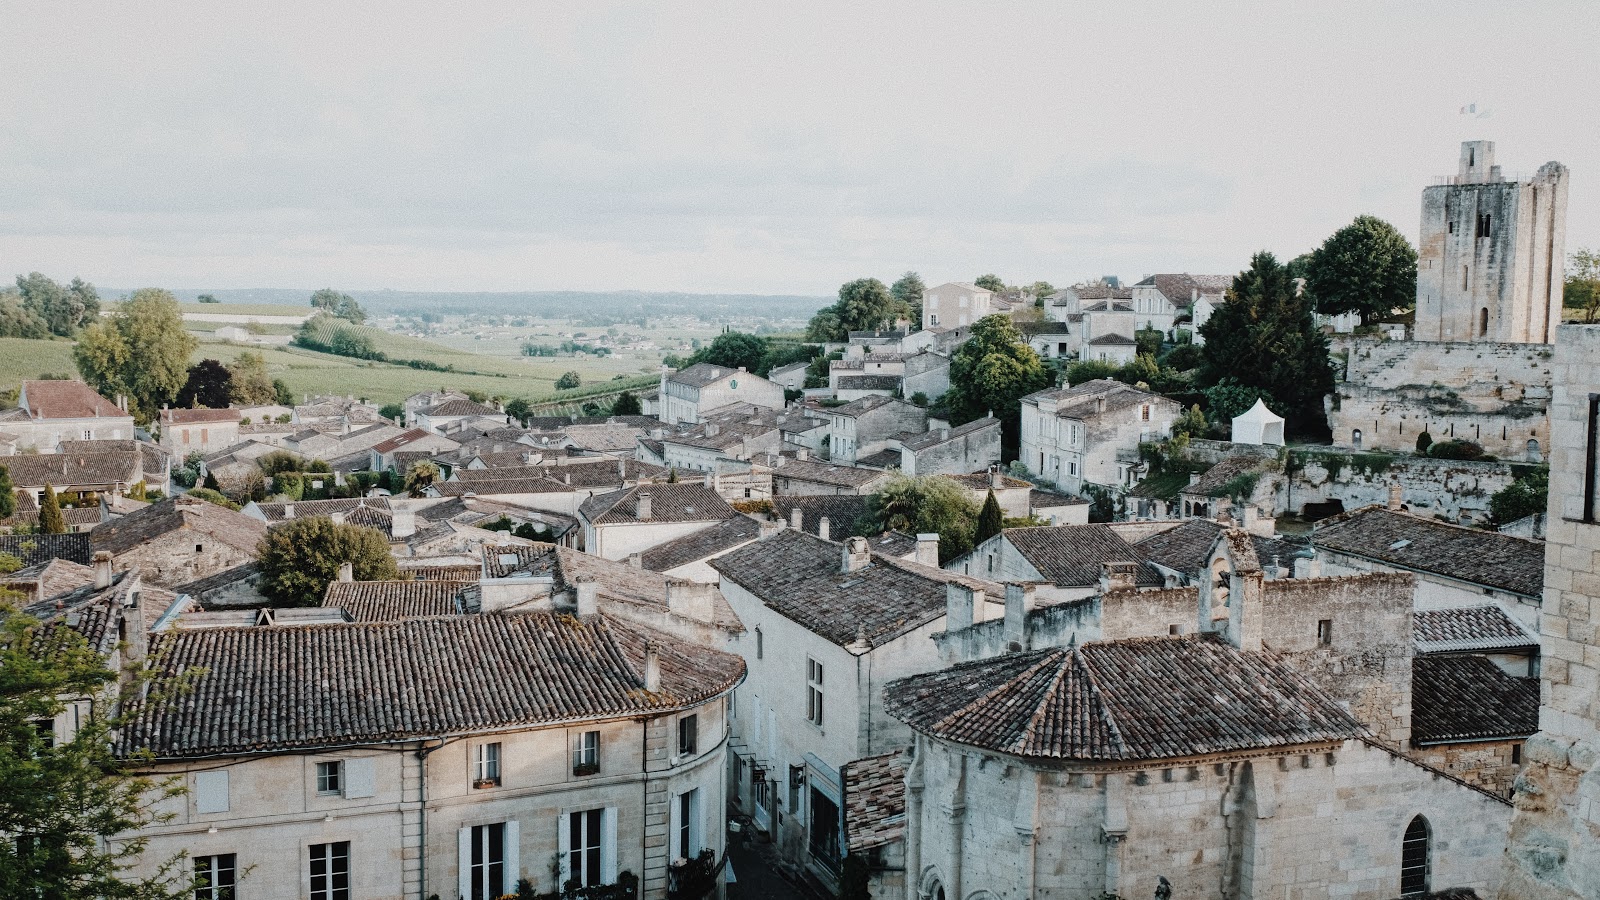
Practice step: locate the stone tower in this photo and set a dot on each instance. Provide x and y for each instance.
(1489, 262)
(1554, 852)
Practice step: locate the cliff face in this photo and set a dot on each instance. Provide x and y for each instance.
(1554, 852)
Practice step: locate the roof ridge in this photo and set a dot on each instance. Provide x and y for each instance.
(1113, 730)
(1026, 673)
(1036, 718)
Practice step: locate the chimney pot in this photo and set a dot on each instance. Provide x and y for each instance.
(652, 668)
(588, 596)
(857, 554)
(635, 561)
(347, 572)
(958, 606)
(822, 528)
(102, 569)
(797, 519)
(928, 549)
(641, 508)
(1396, 497)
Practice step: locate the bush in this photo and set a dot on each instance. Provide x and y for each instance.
(568, 381)
(211, 496)
(1091, 370)
(299, 558)
(1520, 498)
(278, 461)
(1459, 448)
(1424, 441)
(1183, 358)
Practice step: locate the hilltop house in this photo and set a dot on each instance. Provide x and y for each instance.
(49, 412)
(690, 393)
(1090, 434)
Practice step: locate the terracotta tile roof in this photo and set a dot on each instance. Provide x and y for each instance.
(391, 601)
(158, 519)
(1042, 499)
(277, 513)
(65, 400)
(882, 460)
(1137, 699)
(1215, 479)
(69, 470)
(702, 374)
(826, 473)
(1405, 541)
(156, 459)
(1463, 698)
(1187, 547)
(490, 487)
(614, 579)
(682, 502)
(1072, 555)
(843, 511)
(893, 543)
(442, 572)
(47, 579)
(1472, 628)
(868, 383)
(274, 688)
(461, 406)
(1103, 292)
(979, 481)
(201, 586)
(698, 545)
(600, 473)
(1081, 400)
(1106, 340)
(402, 439)
(719, 436)
(874, 801)
(801, 578)
(934, 438)
(199, 416)
(33, 549)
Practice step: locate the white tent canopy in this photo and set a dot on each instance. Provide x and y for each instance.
(1258, 425)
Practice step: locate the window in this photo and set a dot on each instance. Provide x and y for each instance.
(583, 847)
(1144, 413)
(1463, 278)
(760, 644)
(185, 434)
(329, 777)
(199, 548)
(1516, 754)
(1355, 438)
(486, 766)
(1485, 225)
(1483, 322)
(686, 841)
(486, 871)
(330, 871)
(1324, 632)
(214, 876)
(88, 435)
(1414, 863)
(814, 692)
(586, 754)
(688, 735)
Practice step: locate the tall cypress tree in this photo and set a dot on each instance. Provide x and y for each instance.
(990, 519)
(1264, 337)
(8, 494)
(50, 519)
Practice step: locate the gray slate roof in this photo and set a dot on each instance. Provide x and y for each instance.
(1470, 628)
(934, 438)
(159, 519)
(33, 549)
(1460, 698)
(698, 545)
(681, 502)
(1186, 547)
(1138, 699)
(276, 688)
(841, 510)
(1071, 555)
(391, 601)
(1399, 539)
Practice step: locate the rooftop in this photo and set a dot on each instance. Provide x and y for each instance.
(934, 438)
(874, 801)
(680, 502)
(391, 601)
(199, 416)
(138, 528)
(1461, 698)
(826, 473)
(1470, 629)
(64, 470)
(841, 510)
(1406, 541)
(462, 407)
(1073, 555)
(65, 400)
(702, 374)
(1187, 547)
(698, 545)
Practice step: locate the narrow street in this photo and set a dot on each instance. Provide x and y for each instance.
(757, 872)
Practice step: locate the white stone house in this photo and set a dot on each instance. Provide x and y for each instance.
(689, 394)
(49, 412)
(185, 431)
(927, 373)
(955, 305)
(621, 523)
(1090, 434)
(791, 377)
(826, 627)
(1063, 562)
(972, 447)
(865, 426)
(457, 413)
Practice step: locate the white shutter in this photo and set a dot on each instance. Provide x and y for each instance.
(513, 855)
(464, 862)
(697, 823)
(673, 823)
(211, 792)
(358, 777)
(608, 845)
(564, 847)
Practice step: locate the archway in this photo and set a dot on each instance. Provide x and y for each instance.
(1416, 858)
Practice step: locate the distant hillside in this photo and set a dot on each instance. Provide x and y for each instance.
(596, 306)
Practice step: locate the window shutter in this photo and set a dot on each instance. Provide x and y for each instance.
(464, 862)
(211, 792)
(564, 847)
(358, 777)
(673, 825)
(697, 823)
(513, 854)
(608, 845)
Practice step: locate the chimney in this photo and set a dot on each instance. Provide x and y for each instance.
(347, 572)
(712, 429)
(958, 603)
(635, 561)
(1019, 602)
(928, 549)
(1099, 404)
(588, 596)
(797, 519)
(1307, 567)
(1395, 495)
(1224, 511)
(102, 569)
(652, 668)
(691, 599)
(622, 469)
(862, 643)
(1194, 478)
(709, 482)
(566, 477)
(802, 455)
(857, 554)
(1117, 576)
(402, 520)
(996, 480)
(822, 528)
(641, 508)
(288, 510)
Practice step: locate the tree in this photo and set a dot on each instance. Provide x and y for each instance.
(250, 384)
(210, 482)
(1366, 267)
(907, 293)
(211, 496)
(732, 349)
(64, 310)
(990, 520)
(1582, 287)
(1521, 498)
(1229, 400)
(924, 504)
(1085, 370)
(141, 351)
(8, 494)
(281, 392)
(299, 559)
(1263, 337)
(519, 410)
(1040, 290)
(17, 320)
(50, 519)
(207, 298)
(627, 404)
(1191, 424)
(210, 384)
(61, 796)
(992, 372)
(278, 462)
(568, 381)
(864, 305)
(394, 412)
(341, 306)
(990, 283)
(420, 477)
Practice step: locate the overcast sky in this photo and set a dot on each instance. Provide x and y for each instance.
(753, 147)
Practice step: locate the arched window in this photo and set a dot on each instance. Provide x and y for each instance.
(1533, 451)
(1355, 438)
(1483, 322)
(1414, 858)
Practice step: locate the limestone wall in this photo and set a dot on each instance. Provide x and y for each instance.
(1487, 764)
(1494, 394)
(1455, 489)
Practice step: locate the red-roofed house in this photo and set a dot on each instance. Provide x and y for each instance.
(49, 412)
(184, 431)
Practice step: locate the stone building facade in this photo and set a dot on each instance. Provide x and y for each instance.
(1489, 261)
(1090, 433)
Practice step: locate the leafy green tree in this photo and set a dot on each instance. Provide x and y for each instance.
(1085, 370)
(1521, 498)
(1148, 341)
(1228, 400)
(519, 410)
(50, 519)
(278, 461)
(353, 343)
(733, 349)
(420, 477)
(1182, 358)
(1040, 290)
(1582, 287)
(864, 305)
(249, 383)
(392, 411)
(299, 559)
(64, 309)
(281, 392)
(990, 520)
(990, 283)
(1367, 267)
(61, 797)
(922, 505)
(827, 325)
(993, 371)
(141, 351)
(627, 404)
(1192, 423)
(1264, 337)
(8, 494)
(207, 298)
(339, 305)
(907, 294)
(211, 496)
(18, 321)
(568, 381)
(210, 384)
